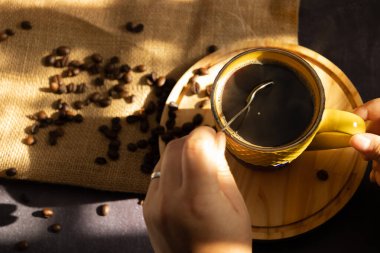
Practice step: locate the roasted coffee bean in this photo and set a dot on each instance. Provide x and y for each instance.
(144, 126)
(113, 155)
(132, 147)
(21, 245)
(86, 66)
(173, 106)
(153, 141)
(49, 60)
(115, 120)
(161, 81)
(103, 129)
(63, 51)
(187, 127)
(70, 88)
(55, 228)
(119, 88)
(211, 49)
(26, 25)
(202, 71)
(75, 71)
(193, 79)
(133, 119)
(41, 115)
(10, 32)
(99, 81)
(140, 68)
(195, 88)
(35, 128)
(47, 213)
(58, 63)
(52, 140)
(151, 78)
(54, 87)
(127, 77)
(322, 175)
(142, 144)
(105, 102)
(125, 68)
(114, 144)
(150, 108)
(3, 36)
(177, 132)
(78, 118)
(172, 115)
(115, 60)
(78, 105)
(129, 99)
(30, 140)
(75, 64)
(170, 123)
(81, 88)
(103, 210)
(100, 160)
(116, 128)
(95, 97)
(11, 172)
(197, 119)
(131, 27)
(158, 130)
(167, 137)
(94, 69)
(209, 89)
(97, 58)
(61, 89)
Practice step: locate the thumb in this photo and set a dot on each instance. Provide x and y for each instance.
(367, 144)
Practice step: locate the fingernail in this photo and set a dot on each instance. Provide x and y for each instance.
(361, 142)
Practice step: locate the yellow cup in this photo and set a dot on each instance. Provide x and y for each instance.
(328, 128)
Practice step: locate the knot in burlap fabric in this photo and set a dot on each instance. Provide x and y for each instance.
(176, 34)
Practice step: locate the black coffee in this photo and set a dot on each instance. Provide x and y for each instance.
(279, 113)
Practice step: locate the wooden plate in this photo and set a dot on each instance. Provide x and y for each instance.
(292, 200)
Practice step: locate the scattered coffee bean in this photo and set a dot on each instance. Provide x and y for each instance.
(94, 69)
(322, 175)
(167, 137)
(21, 245)
(35, 128)
(49, 60)
(99, 81)
(195, 88)
(144, 126)
(127, 77)
(202, 71)
(113, 155)
(61, 89)
(158, 130)
(115, 60)
(3, 36)
(212, 49)
(177, 132)
(11, 172)
(95, 97)
(100, 160)
(142, 144)
(173, 106)
(129, 99)
(132, 147)
(140, 68)
(47, 213)
(78, 105)
(172, 115)
(63, 51)
(193, 79)
(125, 68)
(150, 108)
(114, 145)
(103, 210)
(170, 123)
(105, 102)
(75, 64)
(26, 25)
(209, 89)
(131, 27)
(187, 127)
(80, 88)
(78, 118)
(197, 119)
(41, 115)
(133, 119)
(115, 120)
(30, 140)
(10, 32)
(161, 81)
(97, 58)
(70, 88)
(55, 228)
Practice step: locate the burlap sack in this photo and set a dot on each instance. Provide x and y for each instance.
(176, 34)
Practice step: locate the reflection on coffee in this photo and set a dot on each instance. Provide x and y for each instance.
(279, 113)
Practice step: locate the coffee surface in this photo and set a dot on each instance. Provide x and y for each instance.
(278, 114)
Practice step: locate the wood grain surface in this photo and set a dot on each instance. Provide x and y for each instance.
(291, 200)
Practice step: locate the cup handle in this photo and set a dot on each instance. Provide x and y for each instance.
(336, 129)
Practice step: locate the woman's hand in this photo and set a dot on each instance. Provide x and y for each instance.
(195, 206)
(369, 143)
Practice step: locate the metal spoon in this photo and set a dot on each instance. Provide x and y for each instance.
(249, 101)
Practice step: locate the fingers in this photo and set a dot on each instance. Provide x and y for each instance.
(171, 172)
(368, 145)
(369, 110)
(199, 154)
(154, 184)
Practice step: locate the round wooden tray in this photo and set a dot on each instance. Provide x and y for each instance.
(289, 201)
